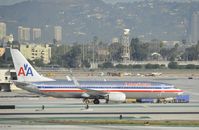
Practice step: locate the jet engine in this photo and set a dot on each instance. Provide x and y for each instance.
(116, 97)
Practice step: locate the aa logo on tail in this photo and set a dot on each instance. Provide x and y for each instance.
(25, 71)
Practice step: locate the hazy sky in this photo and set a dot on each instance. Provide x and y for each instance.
(8, 2)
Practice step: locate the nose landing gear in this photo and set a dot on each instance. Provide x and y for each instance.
(86, 101)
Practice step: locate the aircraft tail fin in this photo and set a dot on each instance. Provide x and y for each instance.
(24, 70)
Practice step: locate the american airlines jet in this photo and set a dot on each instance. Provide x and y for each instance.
(118, 91)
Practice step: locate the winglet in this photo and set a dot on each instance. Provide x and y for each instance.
(75, 81)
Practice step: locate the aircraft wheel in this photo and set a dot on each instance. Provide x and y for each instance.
(86, 101)
(96, 101)
(165, 102)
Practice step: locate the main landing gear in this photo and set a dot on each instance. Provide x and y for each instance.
(96, 101)
(86, 101)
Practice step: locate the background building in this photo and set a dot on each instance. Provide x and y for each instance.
(2, 30)
(36, 35)
(126, 45)
(2, 51)
(35, 51)
(58, 33)
(195, 27)
(23, 34)
(115, 40)
(5, 80)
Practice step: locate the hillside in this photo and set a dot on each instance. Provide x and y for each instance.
(83, 19)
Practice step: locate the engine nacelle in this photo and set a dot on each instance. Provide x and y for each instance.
(117, 97)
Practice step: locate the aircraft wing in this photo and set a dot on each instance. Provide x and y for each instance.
(93, 93)
(90, 93)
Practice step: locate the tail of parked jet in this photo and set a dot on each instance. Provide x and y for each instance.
(24, 70)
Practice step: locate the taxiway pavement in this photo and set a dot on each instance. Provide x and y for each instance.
(29, 106)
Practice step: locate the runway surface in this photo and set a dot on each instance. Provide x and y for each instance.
(91, 127)
(54, 107)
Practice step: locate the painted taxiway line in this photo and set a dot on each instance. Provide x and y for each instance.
(96, 113)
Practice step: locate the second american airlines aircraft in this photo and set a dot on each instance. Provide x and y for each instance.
(118, 91)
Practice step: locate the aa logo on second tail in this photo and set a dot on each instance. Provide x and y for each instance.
(25, 71)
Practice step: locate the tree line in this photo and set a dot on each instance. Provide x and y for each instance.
(139, 51)
(82, 55)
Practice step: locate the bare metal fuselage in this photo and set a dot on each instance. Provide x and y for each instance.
(132, 89)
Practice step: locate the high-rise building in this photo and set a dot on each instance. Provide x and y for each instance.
(2, 30)
(36, 34)
(23, 34)
(58, 33)
(195, 27)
